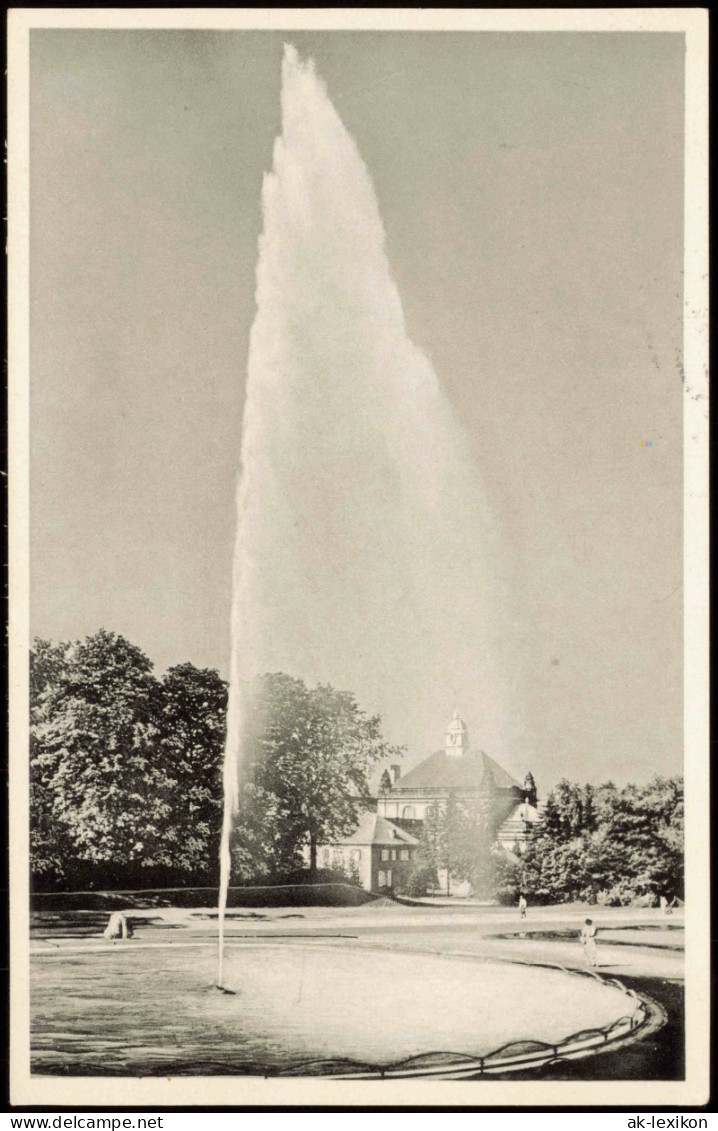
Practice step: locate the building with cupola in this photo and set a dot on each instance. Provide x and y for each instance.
(467, 775)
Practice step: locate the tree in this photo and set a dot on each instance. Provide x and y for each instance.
(664, 797)
(385, 782)
(308, 754)
(92, 751)
(642, 826)
(564, 816)
(189, 715)
(507, 875)
(49, 843)
(126, 770)
(456, 839)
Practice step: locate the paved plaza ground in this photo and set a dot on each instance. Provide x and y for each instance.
(386, 945)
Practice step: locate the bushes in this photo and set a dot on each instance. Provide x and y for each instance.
(506, 876)
(608, 845)
(417, 880)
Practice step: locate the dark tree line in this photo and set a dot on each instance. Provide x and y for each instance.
(599, 844)
(602, 844)
(126, 790)
(126, 769)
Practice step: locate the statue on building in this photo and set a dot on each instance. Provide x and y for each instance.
(530, 789)
(457, 737)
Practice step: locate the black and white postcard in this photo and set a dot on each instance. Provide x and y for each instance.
(358, 444)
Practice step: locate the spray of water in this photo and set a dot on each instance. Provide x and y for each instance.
(365, 555)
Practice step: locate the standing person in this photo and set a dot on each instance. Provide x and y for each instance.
(522, 906)
(664, 905)
(588, 942)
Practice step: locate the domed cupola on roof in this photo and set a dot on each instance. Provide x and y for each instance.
(457, 737)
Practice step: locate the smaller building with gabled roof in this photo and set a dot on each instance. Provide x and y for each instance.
(377, 853)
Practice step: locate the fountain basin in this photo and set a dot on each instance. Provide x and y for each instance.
(129, 1009)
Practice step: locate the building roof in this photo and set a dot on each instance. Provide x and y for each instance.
(373, 829)
(470, 770)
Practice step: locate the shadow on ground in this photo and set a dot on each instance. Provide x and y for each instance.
(660, 1056)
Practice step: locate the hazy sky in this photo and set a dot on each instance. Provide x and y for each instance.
(530, 185)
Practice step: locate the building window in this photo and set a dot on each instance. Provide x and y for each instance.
(388, 878)
(431, 810)
(385, 853)
(404, 854)
(408, 812)
(355, 855)
(325, 857)
(381, 880)
(393, 854)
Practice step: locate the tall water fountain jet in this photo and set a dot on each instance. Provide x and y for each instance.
(365, 555)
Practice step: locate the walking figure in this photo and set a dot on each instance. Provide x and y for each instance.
(522, 907)
(588, 942)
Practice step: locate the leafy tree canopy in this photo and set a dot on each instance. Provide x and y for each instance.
(605, 844)
(125, 768)
(309, 753)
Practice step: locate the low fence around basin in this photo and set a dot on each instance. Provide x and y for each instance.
(516, 1056)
